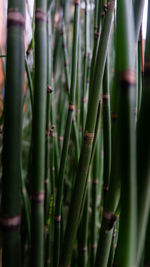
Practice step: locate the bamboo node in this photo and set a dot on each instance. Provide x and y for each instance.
(84, 100)
(94, 246)
(38, 197)
(95, 181)
(88, 138)
(114, 116)
(40, 15)
(105, 188)
(96, 35)
(47, 133)
(66, 63)
(9, 223)
(71, 107)
(84, 249)
(110, 220)
(128, 78)
(77, 2)
(49, 89)
(46, 181)
(14, 17)
(57, 219)
(147, 69)
(61, 138)
(106, 97)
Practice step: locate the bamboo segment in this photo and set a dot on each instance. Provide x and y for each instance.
(67, 136)
(127, 80)
(106, 129)
(39, 124)
(11, 157)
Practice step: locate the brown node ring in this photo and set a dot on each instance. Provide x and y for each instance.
(114, 116)
(88, 137)
(128, 78)
(57, 219)
(38, 197)
(71, 107)
(106, 97)
(15, 18)
(147, 69)
(95, 181)
(84, 249)
(40, 15)
(10, 223)
(77, 2)
(49, 89)
(110, 220)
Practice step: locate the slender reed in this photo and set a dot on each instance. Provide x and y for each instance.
(67, 136)
(126, 75)
(11, 155)
(39, 124)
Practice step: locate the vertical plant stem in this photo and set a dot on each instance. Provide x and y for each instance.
(127, 81)
(39, 124)
(66, 136)
(106, 129)
(11, 157)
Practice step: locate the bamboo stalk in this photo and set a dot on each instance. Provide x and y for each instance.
(67, 136)
(126, 74)
(39, 124)
(11, 157)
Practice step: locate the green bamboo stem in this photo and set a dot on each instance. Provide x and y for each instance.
(127, 145)
(66, 136)
(85, 64)
(86, 150)
(106, 128)
(48, 130)
(39, 124)
(11, 157)
(67, 75)
(96, 15)
(95, 190)
(83, 245)
(66, 60)
(143, 153)
(97, 126)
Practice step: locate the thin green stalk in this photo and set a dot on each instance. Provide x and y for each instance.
(126, 248)
(11, 156)
(106, 128)
(85, 65)
(48, 131)
(39, 124)
(67, 136)
(75, 206)
(95, 189)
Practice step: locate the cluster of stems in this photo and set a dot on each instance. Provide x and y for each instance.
(74, 135)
